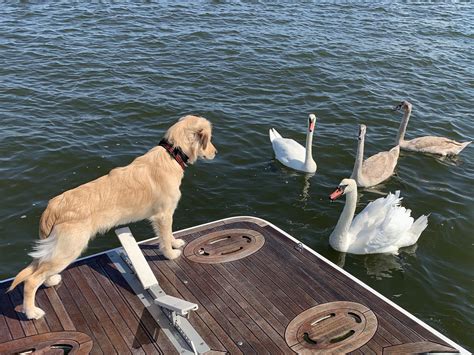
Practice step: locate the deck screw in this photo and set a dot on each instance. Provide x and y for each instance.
(299, 247)
(240, 343)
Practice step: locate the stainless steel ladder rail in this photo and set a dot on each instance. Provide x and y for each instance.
(176, 309)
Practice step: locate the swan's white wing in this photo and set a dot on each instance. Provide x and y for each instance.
(288, 151)
(374, 212)
(390, 232)
(380, 226)
(412, 236)
(364, 225)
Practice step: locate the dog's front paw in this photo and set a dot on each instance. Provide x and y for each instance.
(34, 313)
(53, 280)
(178, 243)
(171, 254)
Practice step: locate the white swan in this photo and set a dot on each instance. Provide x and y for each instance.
(382, 227)
(428, 144)
(292, 154)
(377, 168)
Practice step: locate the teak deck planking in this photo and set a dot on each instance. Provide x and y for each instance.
(245, 305)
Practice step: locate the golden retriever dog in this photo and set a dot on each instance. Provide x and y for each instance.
(148, 188)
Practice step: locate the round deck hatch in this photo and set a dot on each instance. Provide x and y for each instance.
(336, 327)
(224, 246)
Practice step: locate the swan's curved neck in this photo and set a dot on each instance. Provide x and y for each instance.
(403, 127)
(359, 157)
(308, 161)
(338, 238)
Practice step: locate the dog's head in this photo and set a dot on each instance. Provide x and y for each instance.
(193, 135)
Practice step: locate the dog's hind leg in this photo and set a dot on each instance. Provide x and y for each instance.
(41, 274)
(162, 225)
(44, 272)
(29, 293)
(53, 255)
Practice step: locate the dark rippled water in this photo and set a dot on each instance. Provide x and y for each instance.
(85, 88)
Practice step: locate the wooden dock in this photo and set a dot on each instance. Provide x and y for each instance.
(257, 288)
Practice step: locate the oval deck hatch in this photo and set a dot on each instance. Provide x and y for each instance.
(224, 246)
(64, 342)
(331, 327)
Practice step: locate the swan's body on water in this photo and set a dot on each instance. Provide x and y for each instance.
(377, 168)
(428, 144)
(383, 226)
(292, 154)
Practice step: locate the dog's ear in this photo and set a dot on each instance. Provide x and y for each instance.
(204, 137)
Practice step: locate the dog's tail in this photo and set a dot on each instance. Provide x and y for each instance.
(23, 275)
(42, 250)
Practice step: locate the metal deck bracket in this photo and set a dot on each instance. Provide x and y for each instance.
(172, 313)
(299, 247)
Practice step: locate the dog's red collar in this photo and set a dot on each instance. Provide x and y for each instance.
(175, 152)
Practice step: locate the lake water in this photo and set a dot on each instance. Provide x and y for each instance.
(85, 88)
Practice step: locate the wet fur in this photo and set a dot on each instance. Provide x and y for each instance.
(148, 188)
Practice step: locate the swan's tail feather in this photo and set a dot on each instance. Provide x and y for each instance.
(393, 200)
(463, 145)
(273, 134)
(416, 229)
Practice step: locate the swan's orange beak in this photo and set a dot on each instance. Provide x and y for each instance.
(336, 194)
(311, 122)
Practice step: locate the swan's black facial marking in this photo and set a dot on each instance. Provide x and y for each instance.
(342, 187)
(399, 106)
(311, 124)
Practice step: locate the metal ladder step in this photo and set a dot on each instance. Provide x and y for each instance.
(134, 253)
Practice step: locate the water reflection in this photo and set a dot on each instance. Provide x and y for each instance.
(294, 177)
(378, 190)
(450, 160)
(306, 185)
(381, 266)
